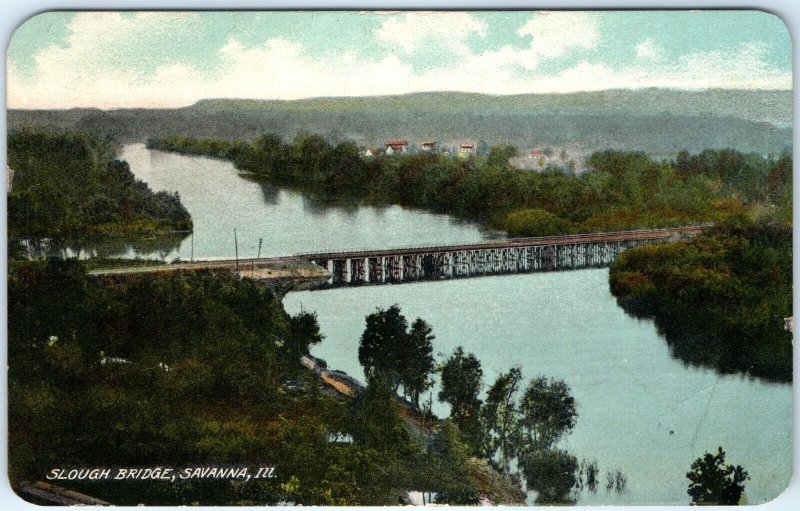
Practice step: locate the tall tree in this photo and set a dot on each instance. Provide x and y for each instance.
(303, 332)
(713, 482)
(500, 416)
(547, 413)
(418, 360)
(381, 344)
(462, 379)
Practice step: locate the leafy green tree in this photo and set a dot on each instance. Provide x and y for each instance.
(500, 416)
(462, 379)
(535, 222)
(379, 350)
(418, 360)
(451, 457)
(376, 421)
(388, 351)
(713, 482)
(303, 333)
(552, 473)
(548, 413)
(500, 154)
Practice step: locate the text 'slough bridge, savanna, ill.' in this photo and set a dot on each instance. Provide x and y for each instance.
(497, 257)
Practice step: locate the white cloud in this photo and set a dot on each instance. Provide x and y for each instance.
(647, 49)
(93, 69)
(98, 63)
(556, 32)
(448, 30)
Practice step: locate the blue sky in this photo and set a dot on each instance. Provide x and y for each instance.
(169, 59)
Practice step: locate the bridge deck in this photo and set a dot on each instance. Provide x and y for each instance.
(569, 239)
(284, 262)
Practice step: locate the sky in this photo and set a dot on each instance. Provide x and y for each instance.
(173, 59)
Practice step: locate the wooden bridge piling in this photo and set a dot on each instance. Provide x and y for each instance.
(492, 258)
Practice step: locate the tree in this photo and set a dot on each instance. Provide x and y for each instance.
(535, 222)
(462, 379)
(450, 456)
(388, 351)
(418, 360)
(383, 339)
(500, 416)
(712, 482)
(547, 414)
(500, 154)
(376, 421)
(552, 474)
(303, 332)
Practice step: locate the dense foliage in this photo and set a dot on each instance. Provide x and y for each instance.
(190, 369)
(395, 355)
(621, 190)
(720, 298)
(71, 183)
(523, 430)
(711, 482)
(462, 380)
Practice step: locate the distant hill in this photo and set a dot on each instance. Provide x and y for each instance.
(652, 120)
(753, 105)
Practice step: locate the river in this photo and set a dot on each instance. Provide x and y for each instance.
(640, 410)
(220, 199)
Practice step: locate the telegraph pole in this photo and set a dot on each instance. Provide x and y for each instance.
(258, 256)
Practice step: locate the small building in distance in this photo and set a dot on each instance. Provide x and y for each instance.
(466, 150)
(396, 146)
(428, 146)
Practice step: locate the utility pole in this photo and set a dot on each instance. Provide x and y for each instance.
(191, 258)
(236, 248)
(257, 257)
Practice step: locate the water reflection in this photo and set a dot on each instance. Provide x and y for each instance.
(83, 247)
(221, 198)
(271, 194)
(642, 413)
(731, 355)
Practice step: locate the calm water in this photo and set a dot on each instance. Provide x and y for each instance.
(641, 411)
(220, 199)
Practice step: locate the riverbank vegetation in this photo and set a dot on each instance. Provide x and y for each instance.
(202, 369)
(70, 184)
(720, 299)
(513, 426)
(621, 190)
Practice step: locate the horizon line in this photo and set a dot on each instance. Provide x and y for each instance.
(415, 93)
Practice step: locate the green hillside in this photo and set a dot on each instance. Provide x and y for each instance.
(651, 120)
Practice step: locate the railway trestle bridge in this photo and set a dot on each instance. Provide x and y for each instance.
(397, 265)
(506, 256)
